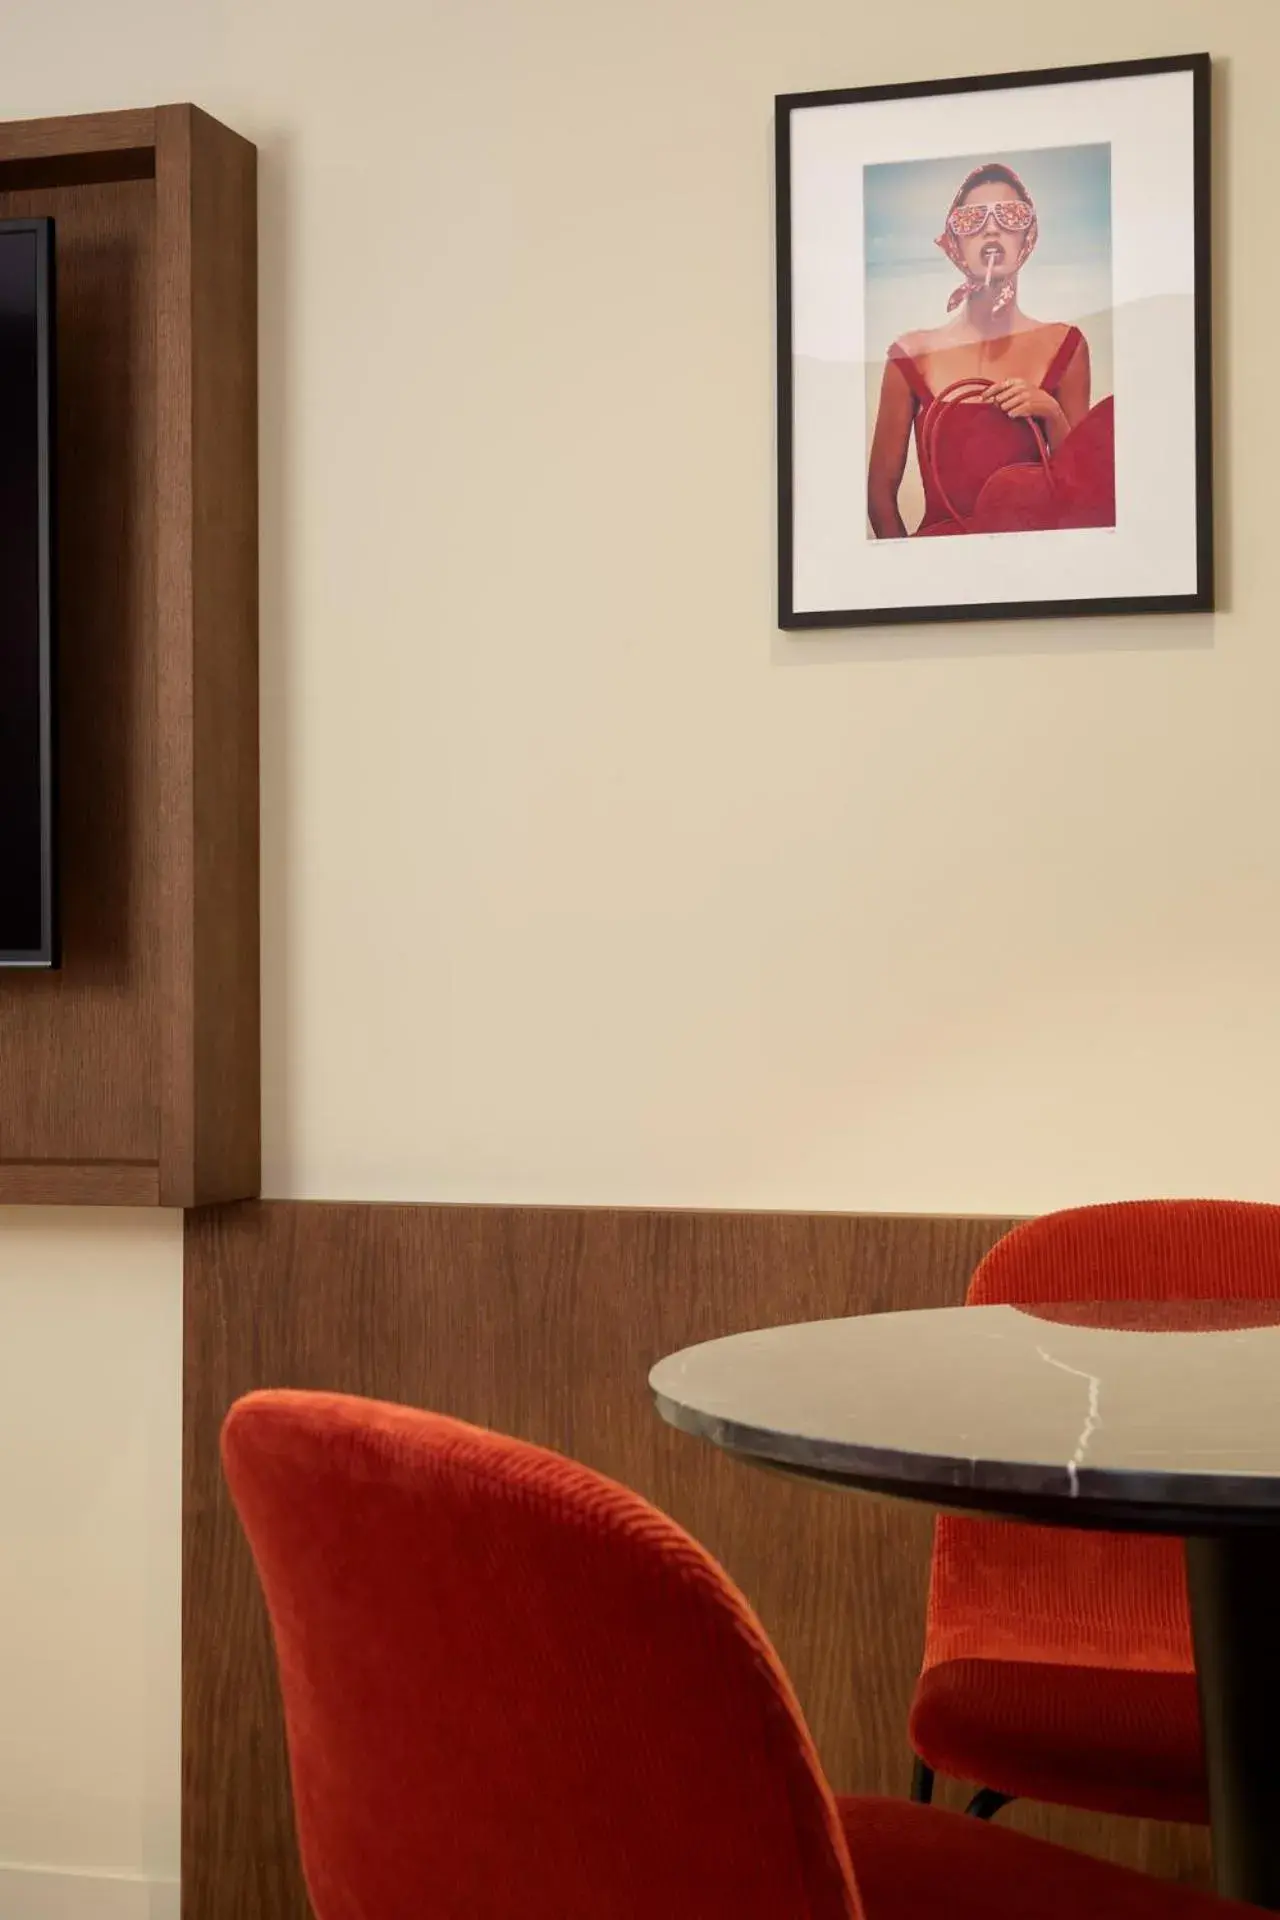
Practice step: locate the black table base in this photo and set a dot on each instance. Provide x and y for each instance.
(1234, 1585)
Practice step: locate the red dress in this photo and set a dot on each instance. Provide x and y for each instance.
(986, 473)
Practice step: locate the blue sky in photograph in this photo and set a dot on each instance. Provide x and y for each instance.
(905, 203)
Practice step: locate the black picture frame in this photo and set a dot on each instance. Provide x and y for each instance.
(1201, 599)
(47, 953)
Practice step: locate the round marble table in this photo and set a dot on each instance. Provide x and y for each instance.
(1133, 1417)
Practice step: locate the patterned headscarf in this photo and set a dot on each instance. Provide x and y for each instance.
(973, 282)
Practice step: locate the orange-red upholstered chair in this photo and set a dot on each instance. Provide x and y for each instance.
(515, 1691)
(1057, 1664)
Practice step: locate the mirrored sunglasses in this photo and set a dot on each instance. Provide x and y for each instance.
(1015, 216)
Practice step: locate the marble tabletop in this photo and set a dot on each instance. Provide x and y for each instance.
(1160, 1417)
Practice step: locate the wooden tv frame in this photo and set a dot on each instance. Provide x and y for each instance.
(130, 1076)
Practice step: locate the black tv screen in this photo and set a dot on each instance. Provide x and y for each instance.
(28, 880)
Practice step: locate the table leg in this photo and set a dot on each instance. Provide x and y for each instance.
(1234, 1586)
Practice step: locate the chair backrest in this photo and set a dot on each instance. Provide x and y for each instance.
(1137, 1250)
(512, 1687)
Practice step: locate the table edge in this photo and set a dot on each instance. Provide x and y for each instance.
(1164, 1503)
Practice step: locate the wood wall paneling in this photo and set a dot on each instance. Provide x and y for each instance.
(206, 306)
(85, 136)
(544, 1323)
(85, 1183)
(78, 1045)
(131, 1074)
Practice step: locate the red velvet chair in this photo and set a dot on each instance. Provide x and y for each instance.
(1058, 1665)
(513, 1688)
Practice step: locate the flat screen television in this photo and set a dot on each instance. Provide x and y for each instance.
(28, 853)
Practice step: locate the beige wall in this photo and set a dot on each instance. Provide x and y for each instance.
(582, 883)
(90, 1476)
(588, 884)
(585, 883)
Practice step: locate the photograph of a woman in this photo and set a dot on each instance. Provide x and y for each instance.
(994, 375)
(996, 404)
(1001, 412)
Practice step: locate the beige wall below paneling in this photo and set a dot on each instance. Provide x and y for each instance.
(90, 1432)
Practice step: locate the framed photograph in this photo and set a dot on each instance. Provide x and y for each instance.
(993, 347)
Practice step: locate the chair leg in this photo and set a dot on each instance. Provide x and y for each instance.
(986, 1803)
(921, 1782)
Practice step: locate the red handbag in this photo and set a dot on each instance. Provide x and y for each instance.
(999, 476)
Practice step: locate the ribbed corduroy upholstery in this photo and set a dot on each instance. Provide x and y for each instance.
(1058, 1665)
(515, 1691)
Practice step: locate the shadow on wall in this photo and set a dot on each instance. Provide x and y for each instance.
(976, 640)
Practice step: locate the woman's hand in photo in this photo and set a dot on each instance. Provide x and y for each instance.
(1021, 401)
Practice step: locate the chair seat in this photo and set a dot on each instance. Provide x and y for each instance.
(919, 1863)
(1106, 1739)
